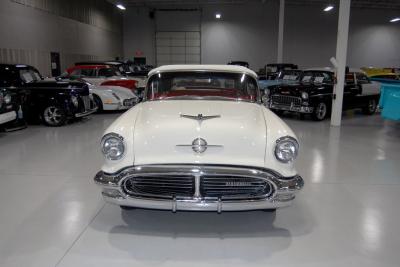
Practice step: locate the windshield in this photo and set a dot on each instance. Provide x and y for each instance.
(289, 75)
(202, 85)
(316, 77)
(109, 72)
(29, 75)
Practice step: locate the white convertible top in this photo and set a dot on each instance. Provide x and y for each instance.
(216, 68)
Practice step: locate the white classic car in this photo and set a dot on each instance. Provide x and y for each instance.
(200, 141)
(109, 97)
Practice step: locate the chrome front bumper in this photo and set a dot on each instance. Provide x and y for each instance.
(292, 108)
(8, 116)
(283, 194)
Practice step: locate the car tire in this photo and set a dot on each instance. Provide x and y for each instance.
(98, 103)
(320, 111)
(54, 116)
(371, 107)
(127, 208)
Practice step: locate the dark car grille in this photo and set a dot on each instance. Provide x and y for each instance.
(234, 187)
(208, 187)
(286, 100)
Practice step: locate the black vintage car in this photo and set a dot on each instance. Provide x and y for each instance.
(49, 101)
(313, 94)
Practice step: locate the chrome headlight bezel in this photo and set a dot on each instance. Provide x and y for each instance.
(75, 101)
(110, 141)
(304, 95)
(7, 99)
(286, 145)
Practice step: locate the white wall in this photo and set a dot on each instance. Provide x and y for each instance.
(29, 34)
(139, 34)
(249, 32)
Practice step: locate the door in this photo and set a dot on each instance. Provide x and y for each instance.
(55, 64)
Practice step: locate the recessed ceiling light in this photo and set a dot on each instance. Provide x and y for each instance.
(218, 16)
(121, 7)
(328, 8)
(395, 20)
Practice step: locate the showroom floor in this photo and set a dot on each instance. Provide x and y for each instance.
(347, 215)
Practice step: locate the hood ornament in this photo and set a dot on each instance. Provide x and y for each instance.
(199, 145)
(200, 117)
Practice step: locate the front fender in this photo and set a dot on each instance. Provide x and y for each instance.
(276, 128)
(123, 126)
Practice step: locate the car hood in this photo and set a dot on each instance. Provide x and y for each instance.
(67, 86)
(121, 92)
(162, 135)
(295, 89)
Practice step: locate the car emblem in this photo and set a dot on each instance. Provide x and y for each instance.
(199, 145)
(200, 117)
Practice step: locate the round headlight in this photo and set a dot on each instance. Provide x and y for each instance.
(304, 95)
(75, 101)
(286, 149)
(7, 99)
(112, 146)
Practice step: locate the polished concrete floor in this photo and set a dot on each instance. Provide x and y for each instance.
(51, 213)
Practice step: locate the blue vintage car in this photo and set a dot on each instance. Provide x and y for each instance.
(390, 101)
(387, 78)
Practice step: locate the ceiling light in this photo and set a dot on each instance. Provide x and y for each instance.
(121, 7)
(218, 16)
(328, 8)
(395, 20)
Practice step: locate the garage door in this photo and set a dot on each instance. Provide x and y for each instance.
(178, 47)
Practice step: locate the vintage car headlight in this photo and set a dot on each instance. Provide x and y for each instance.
(7, 99)
(75, 101)
(304, 95)
(286, 149)
(112, 146)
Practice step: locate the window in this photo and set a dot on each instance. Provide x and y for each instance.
(362, 78)
(202, 85)
(88, 73)
(29, 75)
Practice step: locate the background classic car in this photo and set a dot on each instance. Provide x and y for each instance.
(314, 92)
(52, 102)
(173, 150)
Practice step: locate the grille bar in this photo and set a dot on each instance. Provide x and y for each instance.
(286, 100)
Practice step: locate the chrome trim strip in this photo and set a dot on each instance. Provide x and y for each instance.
(86, 113)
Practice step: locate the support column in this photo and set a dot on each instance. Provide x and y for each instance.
(280, 31)
(341, 57)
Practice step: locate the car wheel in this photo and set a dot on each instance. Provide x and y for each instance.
(320, 111)
(54, 116)
(98, 102)
(371, 108)
(127, 208)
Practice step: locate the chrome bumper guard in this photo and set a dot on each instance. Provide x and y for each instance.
(86, 113)
(300, 109)
(284, 188)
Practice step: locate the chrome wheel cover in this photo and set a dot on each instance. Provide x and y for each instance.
(372, 105)
(53, 115)
(321, 110)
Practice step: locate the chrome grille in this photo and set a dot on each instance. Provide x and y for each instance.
(228, 187)
(286, 100)
(160, 186)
